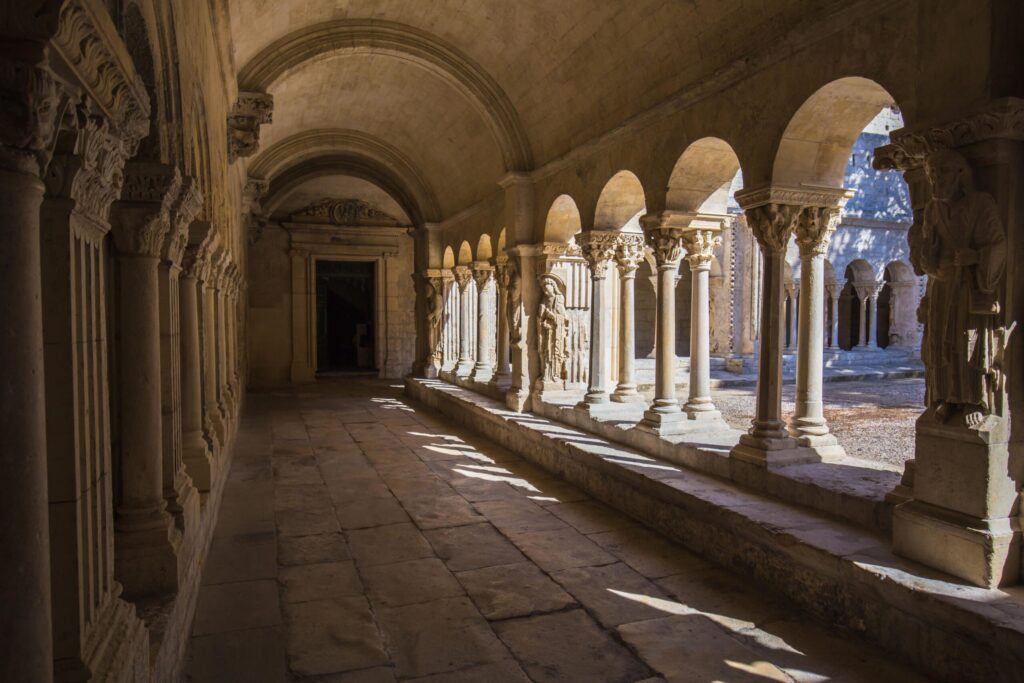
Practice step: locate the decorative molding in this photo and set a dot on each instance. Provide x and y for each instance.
(250, 111)
(194, 261)
(807, 195)
(344, 212)
(410, 44)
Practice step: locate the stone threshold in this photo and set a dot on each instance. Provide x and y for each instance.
(839, 572)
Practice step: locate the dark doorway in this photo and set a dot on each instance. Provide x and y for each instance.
(345, 296)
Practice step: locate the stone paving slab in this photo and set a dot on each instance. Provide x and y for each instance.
(409, 549)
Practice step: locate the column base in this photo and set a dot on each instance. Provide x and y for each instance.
(704, 420)
(813, 433)
(984, 552)
(482, 373)
(431, 370)
(604, 408)
(626, 393)
(146, 560)
(663, 423)
(464, 368)
(771, 452)
(184, 508)
(517, 399)
(501, 380)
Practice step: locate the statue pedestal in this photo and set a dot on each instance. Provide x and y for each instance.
(963, 515)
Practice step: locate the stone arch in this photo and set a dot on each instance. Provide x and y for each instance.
(897, 307)
(702, 177)
(136, 34)
(502, 240)
(448, 259)
(816, 144)
(857, 274)
(621, 202)
(484, 252)
(563, 221)
(311, 144)
(465, 254)
(412, 45)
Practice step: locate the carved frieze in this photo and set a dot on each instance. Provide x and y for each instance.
(344, 212)
(251, 110)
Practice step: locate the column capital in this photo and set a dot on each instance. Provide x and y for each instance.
(598, 248)
(182, 212)
(141, 218)
(629, 253)
(814, 229)
(700, 247)
(502, 271)
(833, 289)
(462, 275)
(772, 224)
(34, 102)
(483, 271)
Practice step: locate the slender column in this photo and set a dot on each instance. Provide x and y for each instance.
(146, 543)
(598, 249)
(196, 452)
(664, 416)
(862, 299)
(502, 368)
(483, 274)
(772, 225)
(463, 276)
(833, 332)
(26, 639)
(700, 246)
(628, 257)
(814, 230)
(181, 495)
(872, 333)
(794, 305)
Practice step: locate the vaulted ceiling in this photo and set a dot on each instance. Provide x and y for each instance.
(467, 90)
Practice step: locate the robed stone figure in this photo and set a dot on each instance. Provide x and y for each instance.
(552, 323)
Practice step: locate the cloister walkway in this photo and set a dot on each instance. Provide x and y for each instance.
(365, 538)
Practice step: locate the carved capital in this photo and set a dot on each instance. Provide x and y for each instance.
(833, 290)
(482, 273)
(31, 105)
(502, 272)
(141, 219)
(598, 248)
(183, 212)
(814, 229)
(193, 261)
(629, 253)
(772, 224)
(463, 276)
(700, 247)
(251, 110)
(667, 245)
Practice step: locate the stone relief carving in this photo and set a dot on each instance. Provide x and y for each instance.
(514, 303)
(30, 110)
(344, 212)
(814, 229)
(146, 199)
(630, 253)
(434, 295)
(598, 248)
(667, 246)
(551, 328)
(700, 247)
(959, 243)
(251, 110)
(772, 225)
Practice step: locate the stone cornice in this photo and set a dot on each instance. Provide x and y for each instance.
(806, 195)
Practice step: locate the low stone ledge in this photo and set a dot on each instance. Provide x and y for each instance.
(838, 572)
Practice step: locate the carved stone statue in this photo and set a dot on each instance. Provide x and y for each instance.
(960, 244)
(514, 304)
(435, 312)
(551, 324)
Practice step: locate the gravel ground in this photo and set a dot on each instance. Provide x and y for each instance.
(873, 420)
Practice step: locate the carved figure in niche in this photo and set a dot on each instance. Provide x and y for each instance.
(435, 311)
(551, 323)
(960, 244)
(514, 304)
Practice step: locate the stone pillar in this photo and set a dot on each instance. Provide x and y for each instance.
(791, 336)
(434, 298)
(628, 257)
(146, 542)
(182, 497)
(212, 426)
(598, 249)
(768, 443)
(463, 276)
(26, 639)
(872, 334)
(813, 232)
(196, 453)
(502, 368)
(664, 416)
(862, 298)
(833, 331)
(700, 409)
(483, 274)
(518, 395)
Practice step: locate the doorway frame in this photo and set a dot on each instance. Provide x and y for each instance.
(378, 303)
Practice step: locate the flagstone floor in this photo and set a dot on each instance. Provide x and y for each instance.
(365, 538)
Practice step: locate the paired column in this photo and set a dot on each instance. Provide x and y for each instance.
(628, 256)
(833, 331)
(483, 274)
(813, 233)
(463, 276)
(700, 246)
(665, 416)
(768, 440)
(598, 249)
(196, 452)
(146, 543)
(502, 368)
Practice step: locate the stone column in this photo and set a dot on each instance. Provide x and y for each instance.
(598, 249)
(791, 337)
(25, 630)
(700, 246)
(813, 232)
(146, 543)
(463, 276)
(664, 416)
(220, 339)
(628, 257)
(483, 274)
(768, 443)
(872, 333)
(212, 426)
(182, 497)
(518, 394)
(502, 368)
(862, 298)
(196, 453)
(833, 331)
